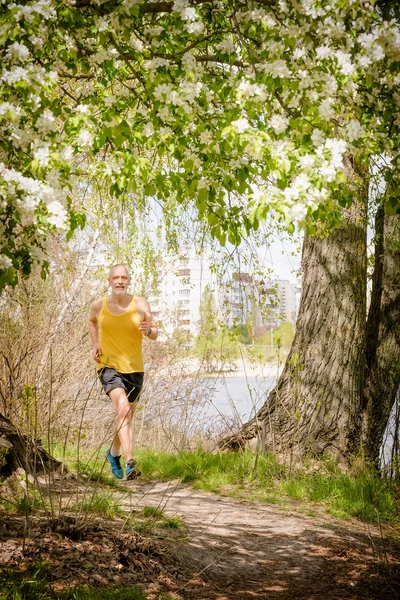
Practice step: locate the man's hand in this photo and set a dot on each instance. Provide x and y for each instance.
(96, 351)
(144, 327)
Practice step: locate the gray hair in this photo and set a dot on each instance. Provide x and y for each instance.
(118, 265)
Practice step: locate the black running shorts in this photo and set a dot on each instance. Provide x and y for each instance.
(132, 383)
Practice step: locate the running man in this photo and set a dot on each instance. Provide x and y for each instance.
(117, 324)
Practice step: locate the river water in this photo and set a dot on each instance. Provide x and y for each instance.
(235, 398)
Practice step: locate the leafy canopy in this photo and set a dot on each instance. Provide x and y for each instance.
(233, 108)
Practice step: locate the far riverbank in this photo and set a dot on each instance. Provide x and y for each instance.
(242, 368)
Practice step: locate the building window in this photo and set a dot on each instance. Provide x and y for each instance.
(186, 322)
(184, 292)
(184, 273)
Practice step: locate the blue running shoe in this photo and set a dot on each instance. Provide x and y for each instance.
(132, 470)
(116, 468)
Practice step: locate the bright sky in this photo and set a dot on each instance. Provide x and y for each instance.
(284, 257)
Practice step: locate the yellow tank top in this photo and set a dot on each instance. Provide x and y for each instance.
(120, 339)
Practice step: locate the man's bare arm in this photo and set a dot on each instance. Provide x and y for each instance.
(94, 329)
(148, 322)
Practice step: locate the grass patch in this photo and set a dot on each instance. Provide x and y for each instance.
(100, 504)
(157, 515)
(173, 523)
(91, 465)
(152, 512)
(85, 593)
(95, 470)
(363, 494)
(212, 470)
(33, 584)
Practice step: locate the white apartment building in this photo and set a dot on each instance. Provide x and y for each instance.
(286, 293)
(182, 283)
(183, 280)
(264, 305)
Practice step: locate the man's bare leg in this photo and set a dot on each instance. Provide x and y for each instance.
(123, 429)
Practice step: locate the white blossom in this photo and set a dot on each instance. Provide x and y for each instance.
(102, 23)
(58, 215)
(14, 75)
(18, 51)
(278, 68)
(101, 55)
(83, 109)
(179, 5)
(203, 184)
(297, 212)
(46, 122)
(328, 171)
(325, 109)
(109, 100)
(337, 148)
(317, 137)
(299, 53)
(206, 137)
(156, 63)
(254, 149)
(5, 262)
(306, 161)
(330, 85)
(354, 130)
(42, 155)
(36, 41)
(195, 27)
(5, 107)
(190, 155)
(226, 46)
(367, 39)
(188, 61)
(323, 52)
(84, 138)
(364, 60)
(162, 92)
(344, 61)
(148, 129)
(377, 52)
(278, 123)
(252, 90)
(188, 14)
(190, 90)
(165, 114)
(136, 43)
(67, 153)
(241, 125)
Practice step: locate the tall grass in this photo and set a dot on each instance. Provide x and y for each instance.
(363, 494)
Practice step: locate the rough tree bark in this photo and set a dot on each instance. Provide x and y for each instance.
(317, 399)
(382, 379)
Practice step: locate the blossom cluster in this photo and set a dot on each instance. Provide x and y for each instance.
(194, 102)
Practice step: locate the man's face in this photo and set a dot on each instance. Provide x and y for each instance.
(119, 280)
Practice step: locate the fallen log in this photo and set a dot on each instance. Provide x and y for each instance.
(21, 451)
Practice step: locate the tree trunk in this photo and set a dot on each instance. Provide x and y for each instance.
(17, 450)
(317, 399)
(383, 336)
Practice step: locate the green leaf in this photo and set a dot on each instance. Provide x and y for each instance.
(150, 189)
(212, 219)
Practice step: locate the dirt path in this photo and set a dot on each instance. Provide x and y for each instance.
(246, 550)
